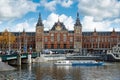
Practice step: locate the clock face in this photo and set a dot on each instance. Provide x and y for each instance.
(58, 28)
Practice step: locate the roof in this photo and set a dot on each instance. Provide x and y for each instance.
(99, 33)
(59, 24)
(28, 33)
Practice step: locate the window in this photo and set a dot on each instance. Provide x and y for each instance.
(78, 39)
(71, 39)
(64, 37)
(71, 46)
(52, 37)
(46, 39)
(58, 46)
(46, 46)
(58, 37)
(52, 46)
(64, 46)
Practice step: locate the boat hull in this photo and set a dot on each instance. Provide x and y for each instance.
(87, 64)
(78, 63)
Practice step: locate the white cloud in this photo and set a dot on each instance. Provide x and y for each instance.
(52, 18)
(24, 25)
(100, 9)
(89, 24)
(51, 5)
(66, 3)
(0, 22)
(116, 21)
(15, 8)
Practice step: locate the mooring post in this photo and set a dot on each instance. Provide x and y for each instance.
(19, 60)
(29, 58)
(0, 59)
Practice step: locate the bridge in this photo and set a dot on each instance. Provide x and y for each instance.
(14, 57)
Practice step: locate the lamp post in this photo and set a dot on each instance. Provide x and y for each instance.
(19, 53)
(9, 42)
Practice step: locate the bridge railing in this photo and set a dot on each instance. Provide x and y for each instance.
(14, 56)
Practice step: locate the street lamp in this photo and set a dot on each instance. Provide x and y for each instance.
(9, 42)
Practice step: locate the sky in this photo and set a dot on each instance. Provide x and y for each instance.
(102, 15)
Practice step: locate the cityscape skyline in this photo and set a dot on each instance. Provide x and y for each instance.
(103, 15)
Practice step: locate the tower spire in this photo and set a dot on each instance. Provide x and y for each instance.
(77, 15)
(58, 19)
(78, 21)
(94, 29)
(23, 29)
(113, 29)
(39, 23)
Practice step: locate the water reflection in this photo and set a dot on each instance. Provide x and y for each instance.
(57, 73)
(106, 72)
(48, 71)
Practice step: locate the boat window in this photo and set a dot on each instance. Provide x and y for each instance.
(118, 45)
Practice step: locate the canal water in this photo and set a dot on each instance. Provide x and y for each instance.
(48, 71)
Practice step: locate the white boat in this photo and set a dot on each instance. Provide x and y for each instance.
(113, 54)
(52, 57)
(78, 63)
(63, 63)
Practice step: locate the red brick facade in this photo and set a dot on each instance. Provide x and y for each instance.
(60, 38)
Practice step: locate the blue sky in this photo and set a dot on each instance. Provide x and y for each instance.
(104, 15)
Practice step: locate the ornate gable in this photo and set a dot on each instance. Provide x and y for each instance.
(58, 26)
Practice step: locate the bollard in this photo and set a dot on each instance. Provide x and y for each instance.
(0, 59)
(29, 58)
(18, 59)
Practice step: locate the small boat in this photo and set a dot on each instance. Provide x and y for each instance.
(63, 63)
(78, 63)
(87, 63)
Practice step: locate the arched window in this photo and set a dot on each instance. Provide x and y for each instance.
(46, 39)
(71, 39)
(52, 37)
(64, 37)
(58, 37)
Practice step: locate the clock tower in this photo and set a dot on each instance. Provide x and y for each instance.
(77, 35)
(39, 38)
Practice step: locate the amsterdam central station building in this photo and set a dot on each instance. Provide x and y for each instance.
(59, 38)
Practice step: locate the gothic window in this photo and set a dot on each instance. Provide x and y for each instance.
(78, 39)
(46, 39)
(52, 37)
(64, 37)
(71, 39)
(111, 39)
(58, 46)
(108, 40)
(52, 46)
(46, 46)
(58, 37)
(64, 46)
(71, 46)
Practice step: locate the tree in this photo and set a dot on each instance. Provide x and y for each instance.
(6, 39)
